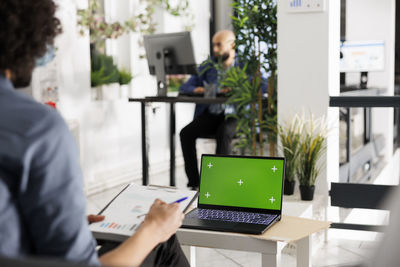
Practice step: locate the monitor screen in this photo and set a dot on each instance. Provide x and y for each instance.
(169, 53)
(173, 51)
(362, 56)
(239, 181)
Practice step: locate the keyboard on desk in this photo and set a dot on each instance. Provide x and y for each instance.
(232, 216)
(183, 94)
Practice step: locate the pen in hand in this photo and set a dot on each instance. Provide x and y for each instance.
(176, 201)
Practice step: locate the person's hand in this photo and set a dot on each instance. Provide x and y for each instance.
(95, 218)
(199, 90)
(164, 219)
(159, 225)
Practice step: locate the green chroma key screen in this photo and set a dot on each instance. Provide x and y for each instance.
(241, 182)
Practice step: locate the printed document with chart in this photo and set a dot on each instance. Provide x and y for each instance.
(121, 214)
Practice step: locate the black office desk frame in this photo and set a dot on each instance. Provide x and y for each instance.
(172, 131)
(366, 102)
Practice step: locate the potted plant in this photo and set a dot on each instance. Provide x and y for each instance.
(104, 76)
(311, 148)
(125, 78)
(289, 135)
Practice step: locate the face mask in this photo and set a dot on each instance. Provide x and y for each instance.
(47, 58)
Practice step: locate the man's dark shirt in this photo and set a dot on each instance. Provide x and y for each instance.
(209, 74)
(42, 204)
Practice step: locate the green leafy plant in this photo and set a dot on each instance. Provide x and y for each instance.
(242, 96)
(125, 77)
(311, 148)
(103, 70)
(290, 137)
(255, 27)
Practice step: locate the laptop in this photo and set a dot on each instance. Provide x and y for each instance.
(238, 194)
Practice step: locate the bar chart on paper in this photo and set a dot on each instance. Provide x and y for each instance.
(113, 225)
(121, 215)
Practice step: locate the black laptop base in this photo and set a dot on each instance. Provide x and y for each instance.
(226, 226)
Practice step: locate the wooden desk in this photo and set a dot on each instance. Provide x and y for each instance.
(172, 131)
(288, 230)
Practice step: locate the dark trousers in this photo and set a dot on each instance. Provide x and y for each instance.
(168, 253)
(205, 125)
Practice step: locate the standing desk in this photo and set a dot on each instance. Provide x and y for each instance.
(172, 131)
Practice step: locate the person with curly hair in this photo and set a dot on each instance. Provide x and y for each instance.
(42, 203)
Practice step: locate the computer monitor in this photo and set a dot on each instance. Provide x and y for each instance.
(170, 53)
(363, 57)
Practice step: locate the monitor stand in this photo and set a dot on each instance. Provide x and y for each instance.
(346, 88)
(363, 80)
(160, 74)
(162, 87)
(165, 64)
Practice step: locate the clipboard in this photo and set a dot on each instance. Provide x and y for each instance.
(122, 211)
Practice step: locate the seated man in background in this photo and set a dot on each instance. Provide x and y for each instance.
(42, 204)
(210, 120)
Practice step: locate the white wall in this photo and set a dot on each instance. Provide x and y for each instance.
(308, 73)
(223, 11)
(110, 131)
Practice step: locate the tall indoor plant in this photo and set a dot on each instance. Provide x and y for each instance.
(312, 147)
(255, 26)
(290, 136)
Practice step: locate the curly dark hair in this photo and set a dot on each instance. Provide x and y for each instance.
(27, 28)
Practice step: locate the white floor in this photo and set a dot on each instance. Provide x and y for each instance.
(335, 252)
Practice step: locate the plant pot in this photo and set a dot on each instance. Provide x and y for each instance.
(108, 92)
(307, 192)
(124, 91)
(288, 188)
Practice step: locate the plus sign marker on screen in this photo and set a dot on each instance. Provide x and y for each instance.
(241, 182)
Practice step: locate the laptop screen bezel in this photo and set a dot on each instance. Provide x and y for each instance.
(245, 209)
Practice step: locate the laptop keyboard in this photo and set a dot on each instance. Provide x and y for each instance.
(232, 216)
